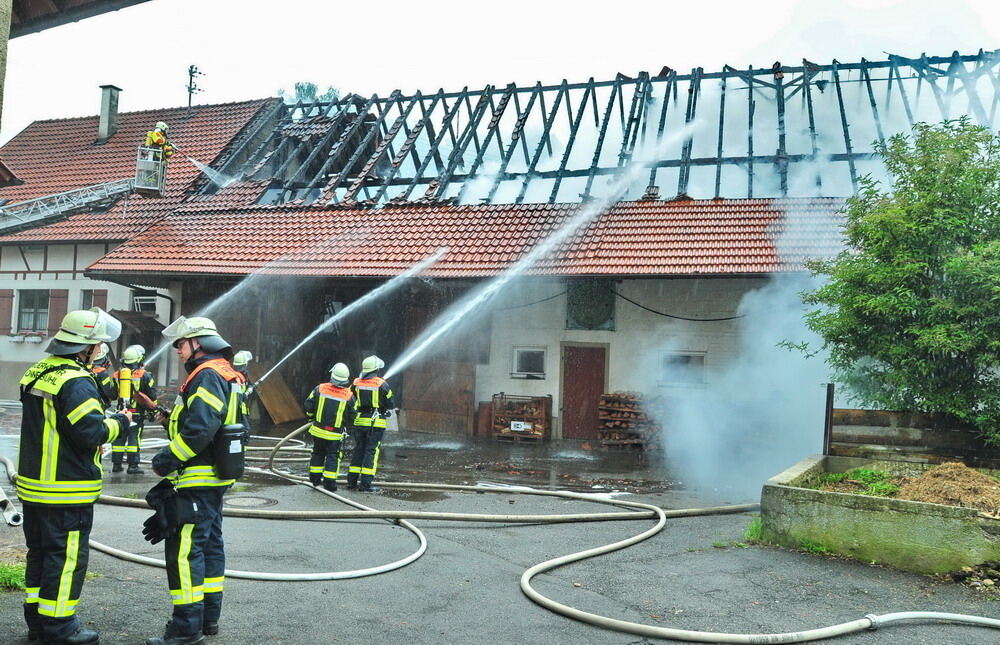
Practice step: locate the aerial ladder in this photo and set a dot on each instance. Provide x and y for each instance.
(150, 180)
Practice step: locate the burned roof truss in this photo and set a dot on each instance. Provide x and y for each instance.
(779, 131)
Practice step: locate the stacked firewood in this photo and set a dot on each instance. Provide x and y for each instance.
(530, 414)
(624, 422)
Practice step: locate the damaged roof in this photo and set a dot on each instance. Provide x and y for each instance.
(58, 155)
(636, 238)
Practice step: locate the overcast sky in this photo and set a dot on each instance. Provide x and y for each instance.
(251, 48)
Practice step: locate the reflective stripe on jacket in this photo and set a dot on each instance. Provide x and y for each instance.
(62, 429)
(211, 397)
(373, 400)
(329, 409)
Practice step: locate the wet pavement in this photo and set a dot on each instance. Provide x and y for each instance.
(696, 574)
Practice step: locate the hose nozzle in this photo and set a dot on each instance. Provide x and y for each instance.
(10, 513)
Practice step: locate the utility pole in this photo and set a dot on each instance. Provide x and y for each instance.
(192, 86)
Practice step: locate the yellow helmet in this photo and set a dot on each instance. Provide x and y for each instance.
(197, 327)
(242, 357)
(133, 354)
(340, 374)
(372, 364)
(102, 353)
(161, 126)
(82, 328)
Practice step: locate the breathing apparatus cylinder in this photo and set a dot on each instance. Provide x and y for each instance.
(228, 449)
(124, 388)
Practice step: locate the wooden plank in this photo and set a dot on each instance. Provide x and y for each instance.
(274, 393)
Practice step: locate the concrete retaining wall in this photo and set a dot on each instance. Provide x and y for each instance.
(912, 536)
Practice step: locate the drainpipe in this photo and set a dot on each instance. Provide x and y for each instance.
(158, 295)
(828, 421)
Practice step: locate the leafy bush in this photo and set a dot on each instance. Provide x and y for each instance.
(11, 577)
(909, 311)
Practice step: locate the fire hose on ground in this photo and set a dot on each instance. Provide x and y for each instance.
(644, 511)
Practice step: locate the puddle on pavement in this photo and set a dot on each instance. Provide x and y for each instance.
(405, 495)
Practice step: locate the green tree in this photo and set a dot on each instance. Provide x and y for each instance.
(309, 93)
(910, 310)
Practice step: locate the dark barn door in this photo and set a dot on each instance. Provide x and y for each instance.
(583, 372)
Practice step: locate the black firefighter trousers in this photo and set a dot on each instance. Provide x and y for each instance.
(58, 540)
(364, 456)
(196, 563)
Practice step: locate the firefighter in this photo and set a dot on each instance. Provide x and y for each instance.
(103, 370)
(188, 502)
(63, 426)
(372, 406)
(241, 362)
(157, 139)
(330, 408)
(136, 392)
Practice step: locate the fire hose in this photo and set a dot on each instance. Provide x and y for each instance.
(648, 511)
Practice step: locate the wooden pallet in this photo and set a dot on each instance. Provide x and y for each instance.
(510, 436)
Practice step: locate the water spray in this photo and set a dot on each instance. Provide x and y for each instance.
(214, 175)
(576, 223)
(357, 304)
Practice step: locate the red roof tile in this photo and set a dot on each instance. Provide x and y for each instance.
(710, 237)
(59, 155)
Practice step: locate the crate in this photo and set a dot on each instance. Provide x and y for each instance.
(624, 423)
(521, 418)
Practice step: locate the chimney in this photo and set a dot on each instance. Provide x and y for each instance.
(109, 112)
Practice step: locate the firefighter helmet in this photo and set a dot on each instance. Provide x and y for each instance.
(133, 354)
(102, 353)
(242, 357)
(340, 374)
(82, 328)
(197, 327)
(372, 364)
(161, 126)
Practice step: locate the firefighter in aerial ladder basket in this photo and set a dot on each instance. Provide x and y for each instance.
(157, 139)
(136, 393)
(372, 406)
(63, 426)
(330, 407)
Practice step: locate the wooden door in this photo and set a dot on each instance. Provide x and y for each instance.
(583, 370)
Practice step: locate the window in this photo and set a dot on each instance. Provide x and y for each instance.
(86, 298)
(590, 304)
(144, 302)
(32, 310)
(682, 368)
(529, 362)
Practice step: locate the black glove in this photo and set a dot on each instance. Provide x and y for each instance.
(163, 523)
(165, 463)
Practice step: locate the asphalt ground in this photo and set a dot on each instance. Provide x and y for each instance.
(693, 575)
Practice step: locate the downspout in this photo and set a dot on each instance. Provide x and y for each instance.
(158, 295)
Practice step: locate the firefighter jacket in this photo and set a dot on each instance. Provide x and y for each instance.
(330, 408)
(62, 429)
(105, 381)
(156, 139)
(142, 381)
(211, 397)
(373, 401)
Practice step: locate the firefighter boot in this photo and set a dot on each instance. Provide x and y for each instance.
(365, 486)
(133, 469)
(352, 481)
(315, 478)
(79, 637)
(210, 628)
(116, 464)
(330, 484)
(170, 637)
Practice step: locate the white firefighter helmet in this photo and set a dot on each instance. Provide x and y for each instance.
(372, 363)
(102, 353)
(197, 327)
(161, 126)
(82, 328)
(133, 354)
(340, 374)
(242, 357)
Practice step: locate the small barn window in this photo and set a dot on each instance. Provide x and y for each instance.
(529, 362)
(682, 368)
(590, 304)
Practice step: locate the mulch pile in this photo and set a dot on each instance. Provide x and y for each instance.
(955, 484)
